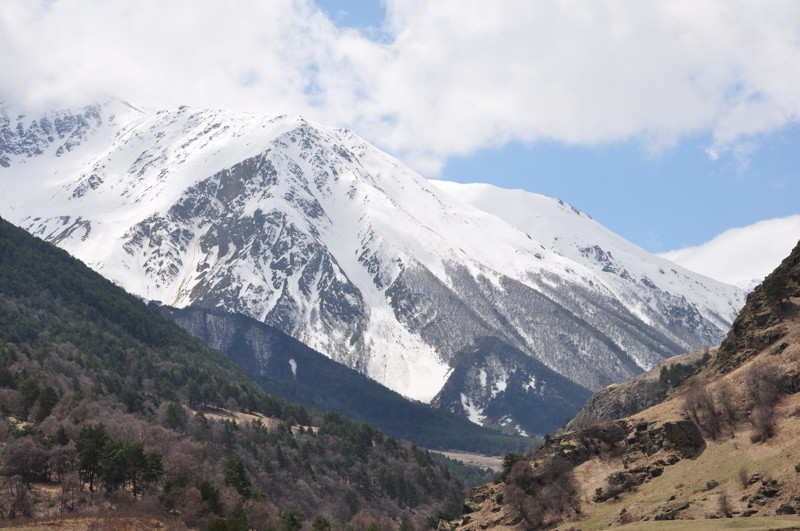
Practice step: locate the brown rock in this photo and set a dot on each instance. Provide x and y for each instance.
(684, 435)
(785, 509)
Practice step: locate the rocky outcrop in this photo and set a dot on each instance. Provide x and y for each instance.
(619, 400)
(484, 509)
(670, 512)
(623, 399)
(760, 324)
(685, 436)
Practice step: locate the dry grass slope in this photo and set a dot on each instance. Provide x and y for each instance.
(745, 475)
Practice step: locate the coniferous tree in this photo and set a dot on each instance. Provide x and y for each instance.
(234, 474)
(90, 446)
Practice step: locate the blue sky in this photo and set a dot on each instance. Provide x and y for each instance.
(672, 198)
(612, 106)
(363, 15)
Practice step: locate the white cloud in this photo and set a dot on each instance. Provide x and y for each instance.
(742, 256)
(449, 76)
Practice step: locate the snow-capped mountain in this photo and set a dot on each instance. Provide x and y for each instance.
(314, 231)
(625, 267)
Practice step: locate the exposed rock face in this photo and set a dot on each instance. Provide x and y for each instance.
(785, 509)
(623, 399)
(685, 436)
(60, 132)
(671, 511)
(484, 509)
(617, 401)
(760, 323)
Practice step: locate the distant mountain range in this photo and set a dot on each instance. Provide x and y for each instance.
(470, 298)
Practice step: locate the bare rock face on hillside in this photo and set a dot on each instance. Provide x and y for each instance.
(763, 321)
(623, 399)
(685, 436)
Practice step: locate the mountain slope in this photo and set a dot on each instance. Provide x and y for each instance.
(627, 398)
(100, 393)
(524, 396)
(719, 452)
(288, 369)
(317, 233)
(622, 265)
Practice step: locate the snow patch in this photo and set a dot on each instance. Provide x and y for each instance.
(500, 384)
(473, 412)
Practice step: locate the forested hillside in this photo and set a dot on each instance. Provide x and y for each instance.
(287, 368)
(106, 404)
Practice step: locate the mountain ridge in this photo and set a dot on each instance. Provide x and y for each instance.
(312, 230)
(290, 370)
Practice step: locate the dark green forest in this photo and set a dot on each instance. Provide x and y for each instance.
(117, 407)
(324, 385)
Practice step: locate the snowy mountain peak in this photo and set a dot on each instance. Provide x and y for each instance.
(313, 230)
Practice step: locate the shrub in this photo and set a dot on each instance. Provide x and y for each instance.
(675, 375)
(762, 386)
(775, 288)
(743, 477)
(602, 437)
(727, 398)
(541, 495)
(699, 407)
(762, 418)
(321, 524)
(234, 474)
(763, 390)
(724, 504)
(509, 460)
(292, 520)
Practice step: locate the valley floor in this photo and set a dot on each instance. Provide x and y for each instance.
(494, 462)
(107, 522)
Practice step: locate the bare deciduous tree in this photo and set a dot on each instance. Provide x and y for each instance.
(727, 399)
(699, 406)
(763, 390)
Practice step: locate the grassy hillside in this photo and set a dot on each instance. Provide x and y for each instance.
(106, 405)
(721, 452)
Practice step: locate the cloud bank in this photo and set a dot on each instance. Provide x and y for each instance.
(742, 256)
(443, 78)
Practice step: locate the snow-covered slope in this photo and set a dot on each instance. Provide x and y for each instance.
(623, 267)
(314, 231)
